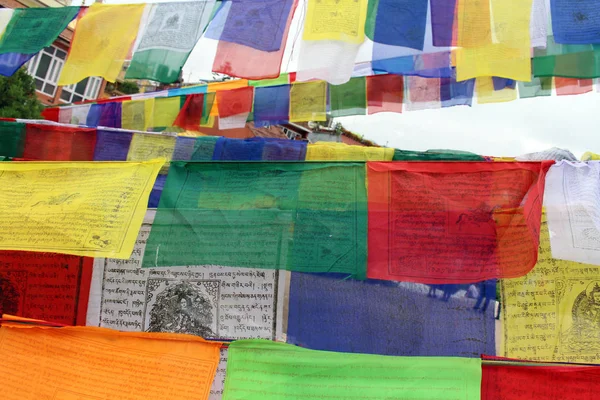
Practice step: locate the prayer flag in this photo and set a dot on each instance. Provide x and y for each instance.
(423, 93)
(493, 232)
(575, 22)
(328, 312)
(520, 380)
(537, 87)
(85, 209)
(32, 29)
(243, 61)
(105, 33)
(12, 138)
(89, 363)
(137, 115)
(546, 314)
(165, 41)
(385, 93)
(59, 143)
(443, 22)
(166, 110)
(308, 101)
(11, 62)
(333, 151)
(261, 369)
(453, 93)
(54, 287)
(297, 216)
(570, 86)
(112, 145)
(487, 94)
(271, 105)
(342, 20)
(148, 146)
(204, 148)
(349, 98)
(190, 114)
(397, 22)
(235, 102)
(110, 115)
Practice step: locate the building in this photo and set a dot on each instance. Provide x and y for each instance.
(46, 66)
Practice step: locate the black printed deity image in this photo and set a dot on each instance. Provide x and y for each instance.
(9, 297)
(182, 308)
(586, 309)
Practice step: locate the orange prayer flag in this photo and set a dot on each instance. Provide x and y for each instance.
(234, 102)
(74, 363)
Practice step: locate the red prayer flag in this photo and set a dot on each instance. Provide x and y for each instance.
(385, 93)
(571, 86)
(524, 382)
(190, 115)
(52, 287)
(459, 222)
(235, 102)
(249, 63)
(59, 143)
(50, 114)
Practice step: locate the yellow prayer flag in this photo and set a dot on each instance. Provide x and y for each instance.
(336, 20)
(308, 101)
(589, 156)
(137, 115)
(551, 313)
(149, 146)
(325, 151)
(102, 41)
(166, 110)
(486, 93)
(77, 363)
(497, 43)
(81, 208)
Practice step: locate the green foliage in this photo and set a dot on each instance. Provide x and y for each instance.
(128, 87)
(18, 98)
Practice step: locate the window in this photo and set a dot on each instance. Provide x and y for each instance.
(87, 89)
(45, 68)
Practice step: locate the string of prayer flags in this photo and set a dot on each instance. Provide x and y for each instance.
(575, 22)
(397, 22)
(31, 29)
(261, 369)
(570, 86)
(308, 217)
(12, 138)
(519, 380)
(328, 312)
(271, 105)
(167, 38)
(333, 151)
(385, 93)
(112, 145)
(308, 101)
(105, 33)
(59, 143)
(573, 211)
(87, 362)
(190, 115)
(244, 61)
(47, 286)
(85, 209)
(492, 233)
(435, 155)
(349, 98)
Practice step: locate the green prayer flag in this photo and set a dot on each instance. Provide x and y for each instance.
(435, 155)
(538, 87)
(567, 60)
(12, 139)
(264, 370)
(168, 39)
(32, 29)
(308, 217)
(282, 79)
(349, 98)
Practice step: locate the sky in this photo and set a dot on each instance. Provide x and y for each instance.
(500, 129)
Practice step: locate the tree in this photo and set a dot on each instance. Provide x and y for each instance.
(18, 98)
